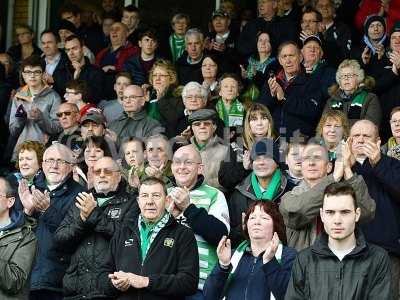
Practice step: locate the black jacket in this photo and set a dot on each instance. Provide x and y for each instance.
(301, 110)
(383, 186)
(51, 262)
(89, 240)
(279, 29)
(337, 43)
(188, 72)
(241, 199)
(171, 263)
(61, 68)
(317, 273)
(92, 75)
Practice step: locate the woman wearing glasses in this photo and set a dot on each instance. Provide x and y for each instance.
(34, 107)
(351, 94)
(163, 98)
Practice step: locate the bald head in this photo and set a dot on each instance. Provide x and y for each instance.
(189, 150)
(362, 133)
(186, 166)
(366, 125)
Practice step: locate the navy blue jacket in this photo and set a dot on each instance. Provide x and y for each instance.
(51, 263)
(301, 110)
(383, 186)
(252, 279)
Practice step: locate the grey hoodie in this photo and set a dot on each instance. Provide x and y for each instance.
(22, 129)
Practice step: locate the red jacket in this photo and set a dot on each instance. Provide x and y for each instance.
(372, 7)
(123, 54)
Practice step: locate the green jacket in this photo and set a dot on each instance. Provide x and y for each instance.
(17, 252)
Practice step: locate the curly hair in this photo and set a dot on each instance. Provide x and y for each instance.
(336, 115)
(168, 67)
(35, 146)
(271, 208)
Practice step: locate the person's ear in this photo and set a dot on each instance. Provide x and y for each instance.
(10, 202)
(358, 214)
(329, 168)
(200, 169)
(321, 214)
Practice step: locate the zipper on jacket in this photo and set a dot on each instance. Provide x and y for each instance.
(250, 276)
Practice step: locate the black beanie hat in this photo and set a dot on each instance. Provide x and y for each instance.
(373, 18)
(65, 24)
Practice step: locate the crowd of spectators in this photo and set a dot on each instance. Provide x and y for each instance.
(258, 158)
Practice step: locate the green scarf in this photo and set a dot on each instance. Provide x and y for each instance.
(103, 201)
(153, 110)
(235, 115)
(272, 189)
(148, 232)
(255, 65)
(198, 146)
(237, 256)
(177, 46)
(358, 101)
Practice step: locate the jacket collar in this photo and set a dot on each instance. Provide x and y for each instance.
(246, 189)
(321, 248)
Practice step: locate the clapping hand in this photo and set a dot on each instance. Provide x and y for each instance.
(41, 201)
(271, 249)
(26, 197)
(85, 203)
(224, 251)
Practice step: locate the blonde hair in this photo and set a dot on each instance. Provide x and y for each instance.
(336, 115)
(168, 67)
(253, 111)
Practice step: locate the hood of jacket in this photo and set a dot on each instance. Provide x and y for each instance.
(24, 94)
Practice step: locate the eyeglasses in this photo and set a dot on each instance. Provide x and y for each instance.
(106, 172)
(347, 76)
(131, 98)
(395, 121)
(199, 123)
(34, 73)
(52, 162)
(66, 113)
(186, 163)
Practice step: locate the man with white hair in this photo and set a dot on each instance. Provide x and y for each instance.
(194, 97)
(48, 201)
(189, 64)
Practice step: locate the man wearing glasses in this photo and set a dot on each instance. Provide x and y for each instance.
(199, 206)
(68, 116)
(48, 201)
(212, 148)
(98, 213)
(134, 121)
(34, 107)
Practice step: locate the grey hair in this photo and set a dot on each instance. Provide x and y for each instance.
(193, 85)
(354, 64)
(64, 150)
(162, 137)
(194, 32)
(180, 16)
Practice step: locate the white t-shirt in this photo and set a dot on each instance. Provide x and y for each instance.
(340, 254)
